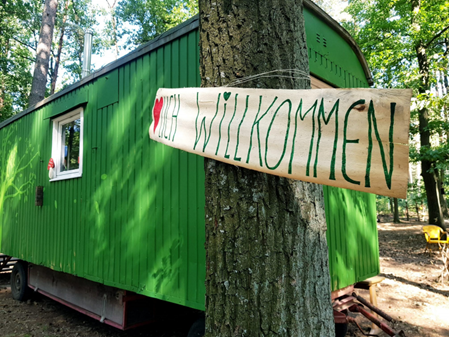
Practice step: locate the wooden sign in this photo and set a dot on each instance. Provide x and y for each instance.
(350, 138)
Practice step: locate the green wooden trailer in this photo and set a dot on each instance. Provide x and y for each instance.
(123, 215)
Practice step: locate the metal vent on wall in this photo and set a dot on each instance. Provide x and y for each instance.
(321, 40)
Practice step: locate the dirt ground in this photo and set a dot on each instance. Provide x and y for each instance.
(411, 293)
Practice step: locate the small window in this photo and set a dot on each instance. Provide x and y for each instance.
(67, 145)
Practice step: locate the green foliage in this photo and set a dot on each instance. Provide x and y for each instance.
(18, 22)
(81, 16)
(151, 17)
(406, 44)
(383, 205)
(389, 32)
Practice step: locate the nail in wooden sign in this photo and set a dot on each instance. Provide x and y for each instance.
(349, 138)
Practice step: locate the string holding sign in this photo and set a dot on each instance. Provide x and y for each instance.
(270, 74)
(350, 138)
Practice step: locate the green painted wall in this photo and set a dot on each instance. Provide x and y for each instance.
(135, 219)
(330, 56)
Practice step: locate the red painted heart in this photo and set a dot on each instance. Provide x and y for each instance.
(157, 112)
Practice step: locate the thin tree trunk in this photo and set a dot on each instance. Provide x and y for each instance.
(396, 211)
(3, 70)
(417, 211)
(39, 83)
(407, 211)
(267, 261)
(428, 167)
(114, 26)
(391, 207)
(54, 76)
(444, 209)
(3, 75)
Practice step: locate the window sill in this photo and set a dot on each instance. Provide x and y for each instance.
(67, 176)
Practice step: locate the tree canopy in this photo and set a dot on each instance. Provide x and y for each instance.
(126, 24)
(142, 21)
(406, 44)
(19, 22)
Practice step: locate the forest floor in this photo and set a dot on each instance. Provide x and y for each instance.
(411, 293)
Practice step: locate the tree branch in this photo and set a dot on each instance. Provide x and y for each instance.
(26, 58)
(23, 43)
(441, 32)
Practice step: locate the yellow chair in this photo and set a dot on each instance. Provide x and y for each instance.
(434, 234)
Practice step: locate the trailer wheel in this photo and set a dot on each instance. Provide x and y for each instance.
(198, 328)
(19, 281)
(341, 329)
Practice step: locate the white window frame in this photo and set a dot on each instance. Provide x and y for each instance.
(56, 149)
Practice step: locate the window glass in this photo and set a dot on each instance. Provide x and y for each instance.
(70, 134)
(67, 146)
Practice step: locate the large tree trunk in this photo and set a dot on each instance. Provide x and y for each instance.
(38, 86)
(54, 77)
(267, 261)
(428, 169)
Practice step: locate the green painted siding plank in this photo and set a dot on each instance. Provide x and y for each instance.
(124, 271)
(166, 172)
(175, 183)
(144, 172)
(184, 177)
(137, 188)
(152, 165)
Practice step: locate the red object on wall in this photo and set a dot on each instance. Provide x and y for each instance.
(51, 164)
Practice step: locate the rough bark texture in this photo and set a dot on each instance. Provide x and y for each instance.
(407, 210)
(54, 76)
(428, 172)
(38, 86)
(442, 193)
(267, 260)
(396, 211)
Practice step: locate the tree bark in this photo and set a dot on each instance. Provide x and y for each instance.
(417, 211)
(39, 83)
(443, 203)
(428, 167)
(114, 26)
(396, 211)
(3, 71)
(407, 210)
(54, 76)
(267, 261)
